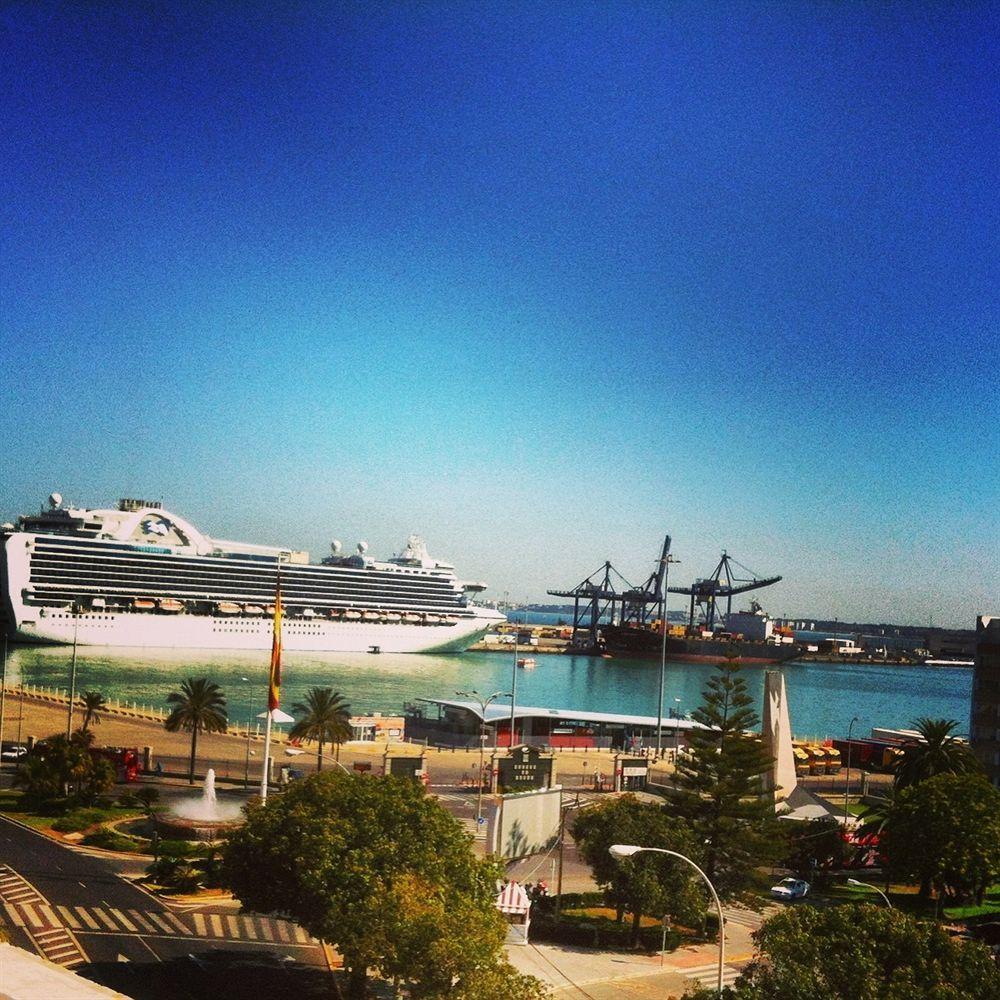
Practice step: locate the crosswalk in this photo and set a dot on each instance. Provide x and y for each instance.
(743, 917)
(708, 975)
(33, 915)
(51, 939)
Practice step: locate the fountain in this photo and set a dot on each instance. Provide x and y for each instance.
(201, 818)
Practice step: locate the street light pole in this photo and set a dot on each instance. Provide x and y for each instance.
(868, 885)
(72, 673)
(246, 763)
(627, 850)
(663, 655)
(483, 703)
(847, 783)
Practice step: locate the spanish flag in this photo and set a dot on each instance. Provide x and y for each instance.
(274, 679)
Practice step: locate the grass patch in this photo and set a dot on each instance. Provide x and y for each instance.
(906, 898)
(111, 841)
(78, 820)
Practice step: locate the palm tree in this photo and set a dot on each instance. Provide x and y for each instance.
(325, 717)
(199, 706)
(937, 752)
(93, 702)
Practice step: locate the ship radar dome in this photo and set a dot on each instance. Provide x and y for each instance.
(335, 546)
(55, 499)
(362, 548)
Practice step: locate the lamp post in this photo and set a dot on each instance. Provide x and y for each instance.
(868, 885)
(72, 673)
(847, 783)
(483, 704)
(246, 763)
(663, 654)
(628, 850)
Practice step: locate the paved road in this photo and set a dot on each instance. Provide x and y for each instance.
(75, 910)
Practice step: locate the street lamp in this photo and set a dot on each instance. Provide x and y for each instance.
(847, 783)
(868, 885)
(246, 764)
(483, 704)
(628, 850)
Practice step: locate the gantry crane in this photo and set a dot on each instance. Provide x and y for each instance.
(721, 584)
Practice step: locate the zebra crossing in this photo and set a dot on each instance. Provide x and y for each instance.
(745, 918)
(28, 909)
(31, 914)
(708, 975)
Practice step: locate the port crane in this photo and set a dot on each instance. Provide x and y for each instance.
(722, 584)
(606, 592)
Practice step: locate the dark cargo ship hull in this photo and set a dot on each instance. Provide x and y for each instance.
(647, 645)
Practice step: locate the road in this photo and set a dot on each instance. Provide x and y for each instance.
(78, 911)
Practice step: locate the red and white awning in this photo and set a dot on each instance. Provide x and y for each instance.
(513, 899)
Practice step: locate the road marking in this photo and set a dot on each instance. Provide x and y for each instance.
(142, 921)
(87, 918)
(104, 918)
(199, 924)
(279, 926)
(55, 932)
(176, 921)
(265, 929)
(233, 925)
(68, 918)
(216, 924)
(251, 930)
(33, 918)
(14, 915)
(159, 921)
(300, 935)
(46, 911)
(122, 919)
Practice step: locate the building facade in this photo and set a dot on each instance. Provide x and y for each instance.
(984, 724)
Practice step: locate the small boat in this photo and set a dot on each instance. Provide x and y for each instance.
(451, 619)
(374, 649)
(227, 608)
(171, 606)
(97, 604)
(335, 613)
(308, 613)
(269, 610)
(254, 610)
(527, 663)
(352, 615)
(372, 616)
(393, 617)
(143, 604)
(433, 619)
(411, 618)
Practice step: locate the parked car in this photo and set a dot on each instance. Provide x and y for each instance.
(790, 888)
(13, 751)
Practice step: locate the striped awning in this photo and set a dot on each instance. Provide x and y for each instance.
(513, 899)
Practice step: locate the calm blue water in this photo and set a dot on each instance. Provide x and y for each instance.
(822, 697)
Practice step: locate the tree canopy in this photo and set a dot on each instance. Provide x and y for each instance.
(57, 767)
(379, 869)
(862, 953)
(719, 788)
(324, 717)
(945, 831)
(93, 703)
(199, 706)
(938, 751)
(649, 883)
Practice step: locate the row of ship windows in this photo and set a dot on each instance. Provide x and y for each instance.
(208, 564)
(42, 595)
(39, 570)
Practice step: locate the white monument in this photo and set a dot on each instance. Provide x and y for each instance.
(776, 733)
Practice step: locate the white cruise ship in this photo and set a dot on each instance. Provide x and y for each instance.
(138, 575)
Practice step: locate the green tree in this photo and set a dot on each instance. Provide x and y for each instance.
(945, 832)
(57, 768)
(815, 848)
(343, 853)
(93, 702)
(861, 953)
(938, 751)
(649, 883)
(718, 786)
(326, 717)
(199, 706)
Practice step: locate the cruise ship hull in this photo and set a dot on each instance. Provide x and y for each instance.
(212, 632)
(648, 645)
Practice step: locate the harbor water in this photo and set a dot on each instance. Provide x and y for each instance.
(823, 697)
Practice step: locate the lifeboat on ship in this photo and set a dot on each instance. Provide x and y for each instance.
(254, 610)
(433, 620)
(308, 613)
(372, 616)
(227, 608)
(393, 617)
(411, 618)
(352, 615)
(143, 604)
(335, 614)
(171, 606)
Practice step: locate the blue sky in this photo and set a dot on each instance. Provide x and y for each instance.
(541, 281)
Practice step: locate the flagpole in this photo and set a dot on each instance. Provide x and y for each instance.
(273, 686)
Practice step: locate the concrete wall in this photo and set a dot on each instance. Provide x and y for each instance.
(524, 823)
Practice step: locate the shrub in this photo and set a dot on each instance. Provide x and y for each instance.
(597, 932)
(109, 840)
(177, 848)
(80, 819)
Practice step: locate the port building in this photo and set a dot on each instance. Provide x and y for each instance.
(984, 723)
(443, 722)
